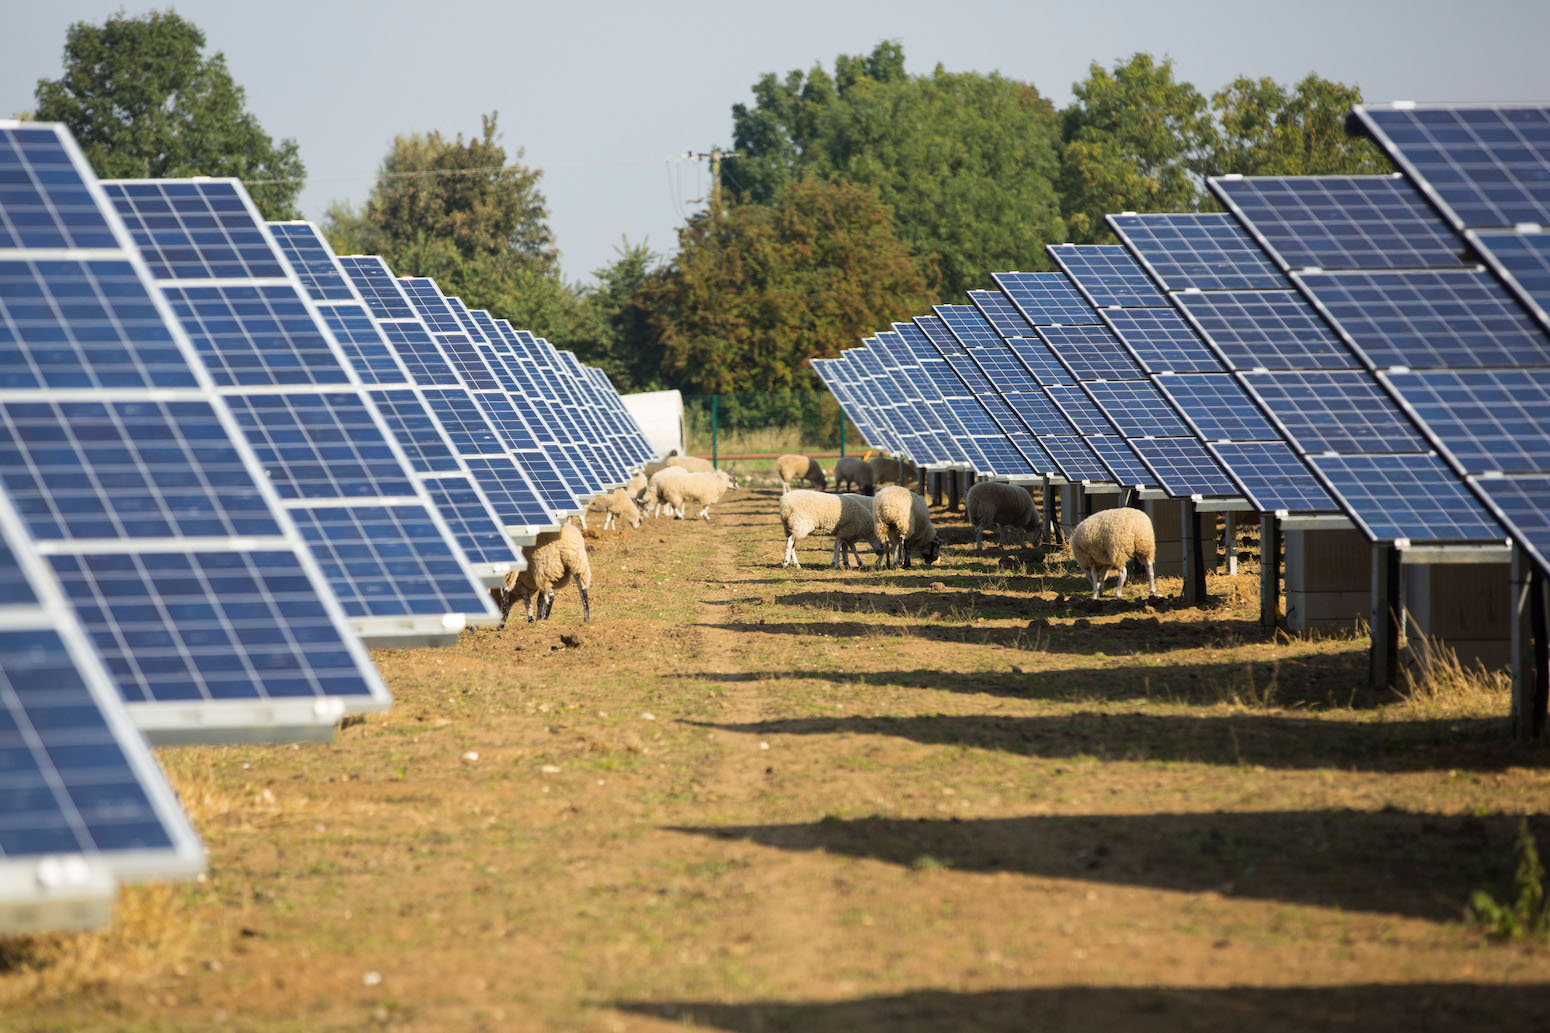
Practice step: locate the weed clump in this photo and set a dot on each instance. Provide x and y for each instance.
(1527, 917)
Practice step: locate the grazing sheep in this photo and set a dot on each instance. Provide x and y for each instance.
(694, 464)
(903, 521)
(636, 489)
(1111, 538)
(996, 504)
(856, 474)
(652, 498)
(618, 506)
(792, 467)
(885, 470)
(848, 518)
(556, 558)
(699, 489)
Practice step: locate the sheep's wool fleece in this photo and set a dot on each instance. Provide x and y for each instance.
(1112, 538)
(996, 502)
(793, 467)
(804, 512)
(902, 515)
(552, 561)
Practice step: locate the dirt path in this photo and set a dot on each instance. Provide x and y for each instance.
(749, 798)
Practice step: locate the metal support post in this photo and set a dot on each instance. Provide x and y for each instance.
(1230, 540)
(1386, 604)
(1269, 570)
(952, 490)
(1194, 561)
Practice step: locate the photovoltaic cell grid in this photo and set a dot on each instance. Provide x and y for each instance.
(1136, 408)
(1025, 456)
(257, 329)
(1522, 259)
(1264, 330)
(883, 379)
(612, 469)
(1487, 421)
(1182, 466)
(1199, 250)
(1003, 315)
(1033, 353)
(1090, 352)
(1406, 497)
(1217, 407)
(1106, 275)
(1519, 503)
(922, 394)
(988, 438)
(1340, 222)
(1272, 476)
(552, 432)
(857, 406)
(1161, 340)
(573, 444)
(1045, 298)
(147, 477)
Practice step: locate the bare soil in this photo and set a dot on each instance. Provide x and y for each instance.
(748, 798)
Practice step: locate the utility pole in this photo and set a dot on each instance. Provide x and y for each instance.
(715, 154)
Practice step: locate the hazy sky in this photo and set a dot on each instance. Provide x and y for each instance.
(606, 96)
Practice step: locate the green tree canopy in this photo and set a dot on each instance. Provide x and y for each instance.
(965, 162)
(623, 342)
(1264, 129)
(143, 102)
(758, 289)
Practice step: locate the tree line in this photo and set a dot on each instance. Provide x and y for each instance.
(852, 197)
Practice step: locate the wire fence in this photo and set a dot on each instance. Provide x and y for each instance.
(754, 428)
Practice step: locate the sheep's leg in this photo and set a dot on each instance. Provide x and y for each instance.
(1123, 569)
(527, 603)
(705, 512)
(583, 520)
(856, 552)
(546, 606)
(784, 487)
(837, 554)
(791, 549)
(586, 607)
(979, 538)
(904, 555)
(1098, 575)
(1151, 580)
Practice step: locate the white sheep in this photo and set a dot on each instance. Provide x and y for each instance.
(849, 518)
(793, 467)
(903, 522)
(996, 504)
(652, 497)
(694, 464)
(619, 507)
(1111, 538)
(885, 470)
(854, 473)
(556, 558)
(636, 489)
(698, 489)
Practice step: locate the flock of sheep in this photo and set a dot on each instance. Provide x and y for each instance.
(882, 510)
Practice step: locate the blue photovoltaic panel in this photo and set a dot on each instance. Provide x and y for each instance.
(1136, 408)
(431, 304)
(1217, 406)
(1080, 410)
(1003, 315)
(990, 440)
(1161, 340)
(1485, 420)
(1522, 259)
(195, 230)
(1206, 251)
(1108, 275)
(1519, 503)
(378, 286)
(1091, 352)
(509, 490)
(44, 200)
(465, 423)
(1483, 165)
(1041, 362)
(70, 323)
(471, 519)
(1120, 458)
(255, 335)
(417, 431)
(364, 346)
(1335, 411)
(1033, 458)
(130, 469)
(1414, 497)
(1340, 222)
(419, 353)
(1076, 458)
(1265, 330)
(1044, 298)
(1182, 466)
(923, 395)
(311, 261)
(1272, 477)
(209, 625)
(388, 560)
(320, 445)
(1425, 319)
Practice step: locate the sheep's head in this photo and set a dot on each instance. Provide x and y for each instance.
(932, 550)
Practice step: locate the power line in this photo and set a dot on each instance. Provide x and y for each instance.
(484, 170)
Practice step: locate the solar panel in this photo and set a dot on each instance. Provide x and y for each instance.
(1521, 258)
(1334, 411)
(992, 440)
(363, 343)
(1090, 352)
(921, 392)
(1136, 408)
(1044, 298)
(160, 478)
(1161, 340)
(1519, 504)
(195, 229)
(1033, 353)
(1027, 455)
(1106, 275)
(1482, 165)
(312, 260)
(924, 425)
(1217, 407)
(1406, 497)
(1002, 314)
(1484, 420)
(1083, 413)
(47, 203)
(1182, 466)
(1272, 476)
(1121, 460)
(1200, 250)
(1340, 222)
(1264, 330)
(512, 357)
(321, 445)
(1448, 319)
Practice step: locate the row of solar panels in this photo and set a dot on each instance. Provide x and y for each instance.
(229, 459)
(1373, 346)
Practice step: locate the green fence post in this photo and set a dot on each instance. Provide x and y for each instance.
(713, 428)
(842, 433)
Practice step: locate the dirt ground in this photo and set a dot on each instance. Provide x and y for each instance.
(747, 798)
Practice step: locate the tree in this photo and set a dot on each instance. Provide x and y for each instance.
(625, 345)
(1135, 140)
(1264, 129)
(142, 102)
(756, 290)
(965, 162)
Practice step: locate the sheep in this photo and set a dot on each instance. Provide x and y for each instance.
(993, 504)
(903, 521)
(556, 558)
(700, 489)
(652, 497)
(1111, 538)
(636, 488)
(618, 505)
(694, 464)
(848, 518)
(886, 470)
(792, 467)
(853, 473)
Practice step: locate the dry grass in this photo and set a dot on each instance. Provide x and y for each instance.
(1437, 684)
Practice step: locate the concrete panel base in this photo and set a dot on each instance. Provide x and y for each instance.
(1328, 579)
(1465, 605)
(1166, 523)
